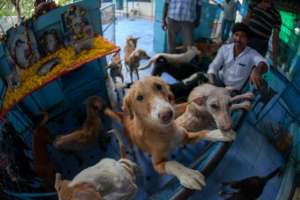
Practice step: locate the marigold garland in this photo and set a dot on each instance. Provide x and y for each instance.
(30, 81)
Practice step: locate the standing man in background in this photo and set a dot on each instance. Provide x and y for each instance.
(262, 19)
(230, 8)
(180, 16)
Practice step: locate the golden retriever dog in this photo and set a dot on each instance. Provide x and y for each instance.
(111, 179)
(130, 46)
(88, 134)
(134, 61)
(148, 120)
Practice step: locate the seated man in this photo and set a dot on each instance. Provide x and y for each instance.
(235, 62)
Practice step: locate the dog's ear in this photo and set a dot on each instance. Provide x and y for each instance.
(127, 107)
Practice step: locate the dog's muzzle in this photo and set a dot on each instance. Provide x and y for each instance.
(162, 111)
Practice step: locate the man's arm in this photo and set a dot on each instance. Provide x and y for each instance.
(246, 20)
(198, 14)
(256, 74)
(275, 41)
(165, 14)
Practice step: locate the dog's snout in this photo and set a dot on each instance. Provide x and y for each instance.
(166, 115)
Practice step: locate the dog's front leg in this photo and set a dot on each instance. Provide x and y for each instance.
(189, 178)
(215, 135)
(137, 74)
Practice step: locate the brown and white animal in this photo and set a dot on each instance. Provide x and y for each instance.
(134, 62)
(212, 108)
(148, 120)
(115, 67)
(111, 179)
(43, 166)
(81, 191)
(175, 59)
(130, 46)
(92, 127)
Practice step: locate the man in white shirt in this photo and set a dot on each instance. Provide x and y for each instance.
(236, 62)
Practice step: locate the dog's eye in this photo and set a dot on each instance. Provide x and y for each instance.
(214, 106)
(140, 98)
(158, 87)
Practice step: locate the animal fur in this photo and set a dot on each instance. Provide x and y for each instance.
(186, 57)
(41, 162)
(148, 120)
(179, 71)
(92, 127)
(134, 61)
(249, 188)
(131, 43)
(211, 109)
(111, 179)
(115, 67)
(80, 191)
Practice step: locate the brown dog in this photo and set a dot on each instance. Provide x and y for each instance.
(134, 62)
(131, 43)
(88, 134)
(41, 162)
(148, 121)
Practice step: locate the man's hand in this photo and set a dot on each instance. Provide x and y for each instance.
(164, 24)
(256, 79)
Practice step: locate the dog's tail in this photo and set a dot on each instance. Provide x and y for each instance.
(120, 142)
(150, 62)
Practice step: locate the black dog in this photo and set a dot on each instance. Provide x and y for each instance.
(248, 189)
(179, 71)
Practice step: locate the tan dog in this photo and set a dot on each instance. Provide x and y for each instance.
(134, 61)
(131, 43)
(112, 179)
(212, 108)
(88, 134)
(81, 191)
(148, 121)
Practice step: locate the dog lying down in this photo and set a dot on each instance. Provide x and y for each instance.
(212, 108)
(148, 121)
(185, 57)
(108, 179)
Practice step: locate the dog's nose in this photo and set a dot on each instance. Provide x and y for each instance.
(166, 115)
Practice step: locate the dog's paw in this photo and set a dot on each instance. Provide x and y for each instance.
(218, 135)
(249, 95)
(192, 179)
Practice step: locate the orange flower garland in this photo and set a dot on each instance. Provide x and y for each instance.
(30, 81)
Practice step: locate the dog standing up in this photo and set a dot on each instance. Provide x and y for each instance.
(88, 134)
(42, 164)
(148, 120)
(134, 62)
(110, 179)
(115, 67)
(249, 188)
(131, 43)
(212, 108)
